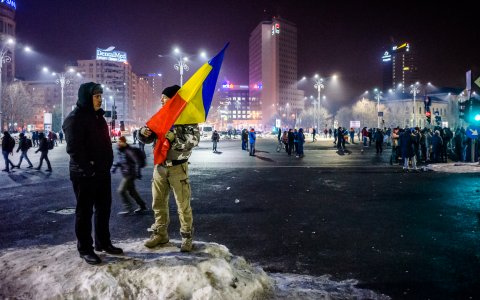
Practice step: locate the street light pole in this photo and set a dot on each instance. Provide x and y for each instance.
(62, 80)
(414, 89)
(319, 86)
(377, 94)
(180, 66)
(4, 58)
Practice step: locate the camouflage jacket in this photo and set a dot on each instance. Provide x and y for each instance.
(186, 138)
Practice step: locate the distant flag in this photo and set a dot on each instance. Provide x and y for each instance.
(189, 106)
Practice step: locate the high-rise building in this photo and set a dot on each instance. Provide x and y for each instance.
(45, 96)
(117, 76)
(7, 31)
(232, 108)
(273, 70)
(399, 67)
(148, 96)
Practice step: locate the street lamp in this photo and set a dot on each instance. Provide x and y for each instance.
(377, 95)
(182, 60)
(63, 81)
(4, 58)
(319, 86)
(414, 89)
(114, 110)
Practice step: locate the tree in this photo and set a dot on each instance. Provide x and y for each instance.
(344, 116)
(365, 111)
(16, 105)
(57, 119)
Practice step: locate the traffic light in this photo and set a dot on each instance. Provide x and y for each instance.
(474, 113)
(463, 109)
(428, 115)
(438, 120)
(122, 126)
(114, 115)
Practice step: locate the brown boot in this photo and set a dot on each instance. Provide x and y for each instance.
(158, 237)
(187, 241)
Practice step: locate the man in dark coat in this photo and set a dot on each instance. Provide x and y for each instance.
(43, 148)
(8, 144)
(91, 157)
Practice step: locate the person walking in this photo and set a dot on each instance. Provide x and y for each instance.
(314, 132)
(23, 145)
(301, 141)
(43, 148)
(130, 166)
(135, 132)
(291, 141)
(172, 174)
(91, 158)
(35, 139)
(252, 137)
(8, 144)
(378, 137)
(60, 135)
(245, 139)
(54, 138)
(215, 140)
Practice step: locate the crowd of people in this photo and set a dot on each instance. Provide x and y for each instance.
(40, 140)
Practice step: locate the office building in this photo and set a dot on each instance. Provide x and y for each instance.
(273, 71)
(399, 67)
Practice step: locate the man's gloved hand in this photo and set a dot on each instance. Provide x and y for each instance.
(170, 136)
(145, 131)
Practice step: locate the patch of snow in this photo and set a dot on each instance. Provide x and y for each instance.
(456, 167)
(210, 271)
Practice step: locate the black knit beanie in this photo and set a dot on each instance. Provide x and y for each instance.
(170, 91)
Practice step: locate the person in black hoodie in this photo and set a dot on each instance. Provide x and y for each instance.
(91, 157)
(43, 148)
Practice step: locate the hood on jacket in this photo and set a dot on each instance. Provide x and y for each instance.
(85, 95)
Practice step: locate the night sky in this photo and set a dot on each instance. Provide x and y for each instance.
(342, 37)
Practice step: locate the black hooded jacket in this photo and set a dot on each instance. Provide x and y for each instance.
(87, 136)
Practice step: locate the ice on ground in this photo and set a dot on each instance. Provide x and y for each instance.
(209, 272)
(457, 167)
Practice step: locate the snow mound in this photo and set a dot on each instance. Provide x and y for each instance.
(208, 272)
(455, 167)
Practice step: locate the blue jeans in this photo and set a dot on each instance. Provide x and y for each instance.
(8, 162)
(22, 156)
(252, 148)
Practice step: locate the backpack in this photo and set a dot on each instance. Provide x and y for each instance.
(28, 143)
(140, 156)
(50, 144)
(11, 144)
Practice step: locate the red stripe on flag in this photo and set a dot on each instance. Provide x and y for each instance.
(163, 120)
(161, 123)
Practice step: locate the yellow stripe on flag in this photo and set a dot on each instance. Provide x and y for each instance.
(191, 92)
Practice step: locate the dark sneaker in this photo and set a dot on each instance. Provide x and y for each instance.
(91, 258)
(48, 170)
(141, 210)
(126, 213)
(110, 249)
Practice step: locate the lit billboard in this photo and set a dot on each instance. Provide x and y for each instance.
(111, 55)
(10, 3)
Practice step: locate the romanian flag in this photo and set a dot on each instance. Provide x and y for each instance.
(189, 106)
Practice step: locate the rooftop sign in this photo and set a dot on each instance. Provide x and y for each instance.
(10, 3)
(109, 54)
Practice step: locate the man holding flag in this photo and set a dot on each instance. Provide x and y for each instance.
(174, 128)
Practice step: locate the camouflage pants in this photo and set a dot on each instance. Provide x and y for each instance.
(171, 178)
